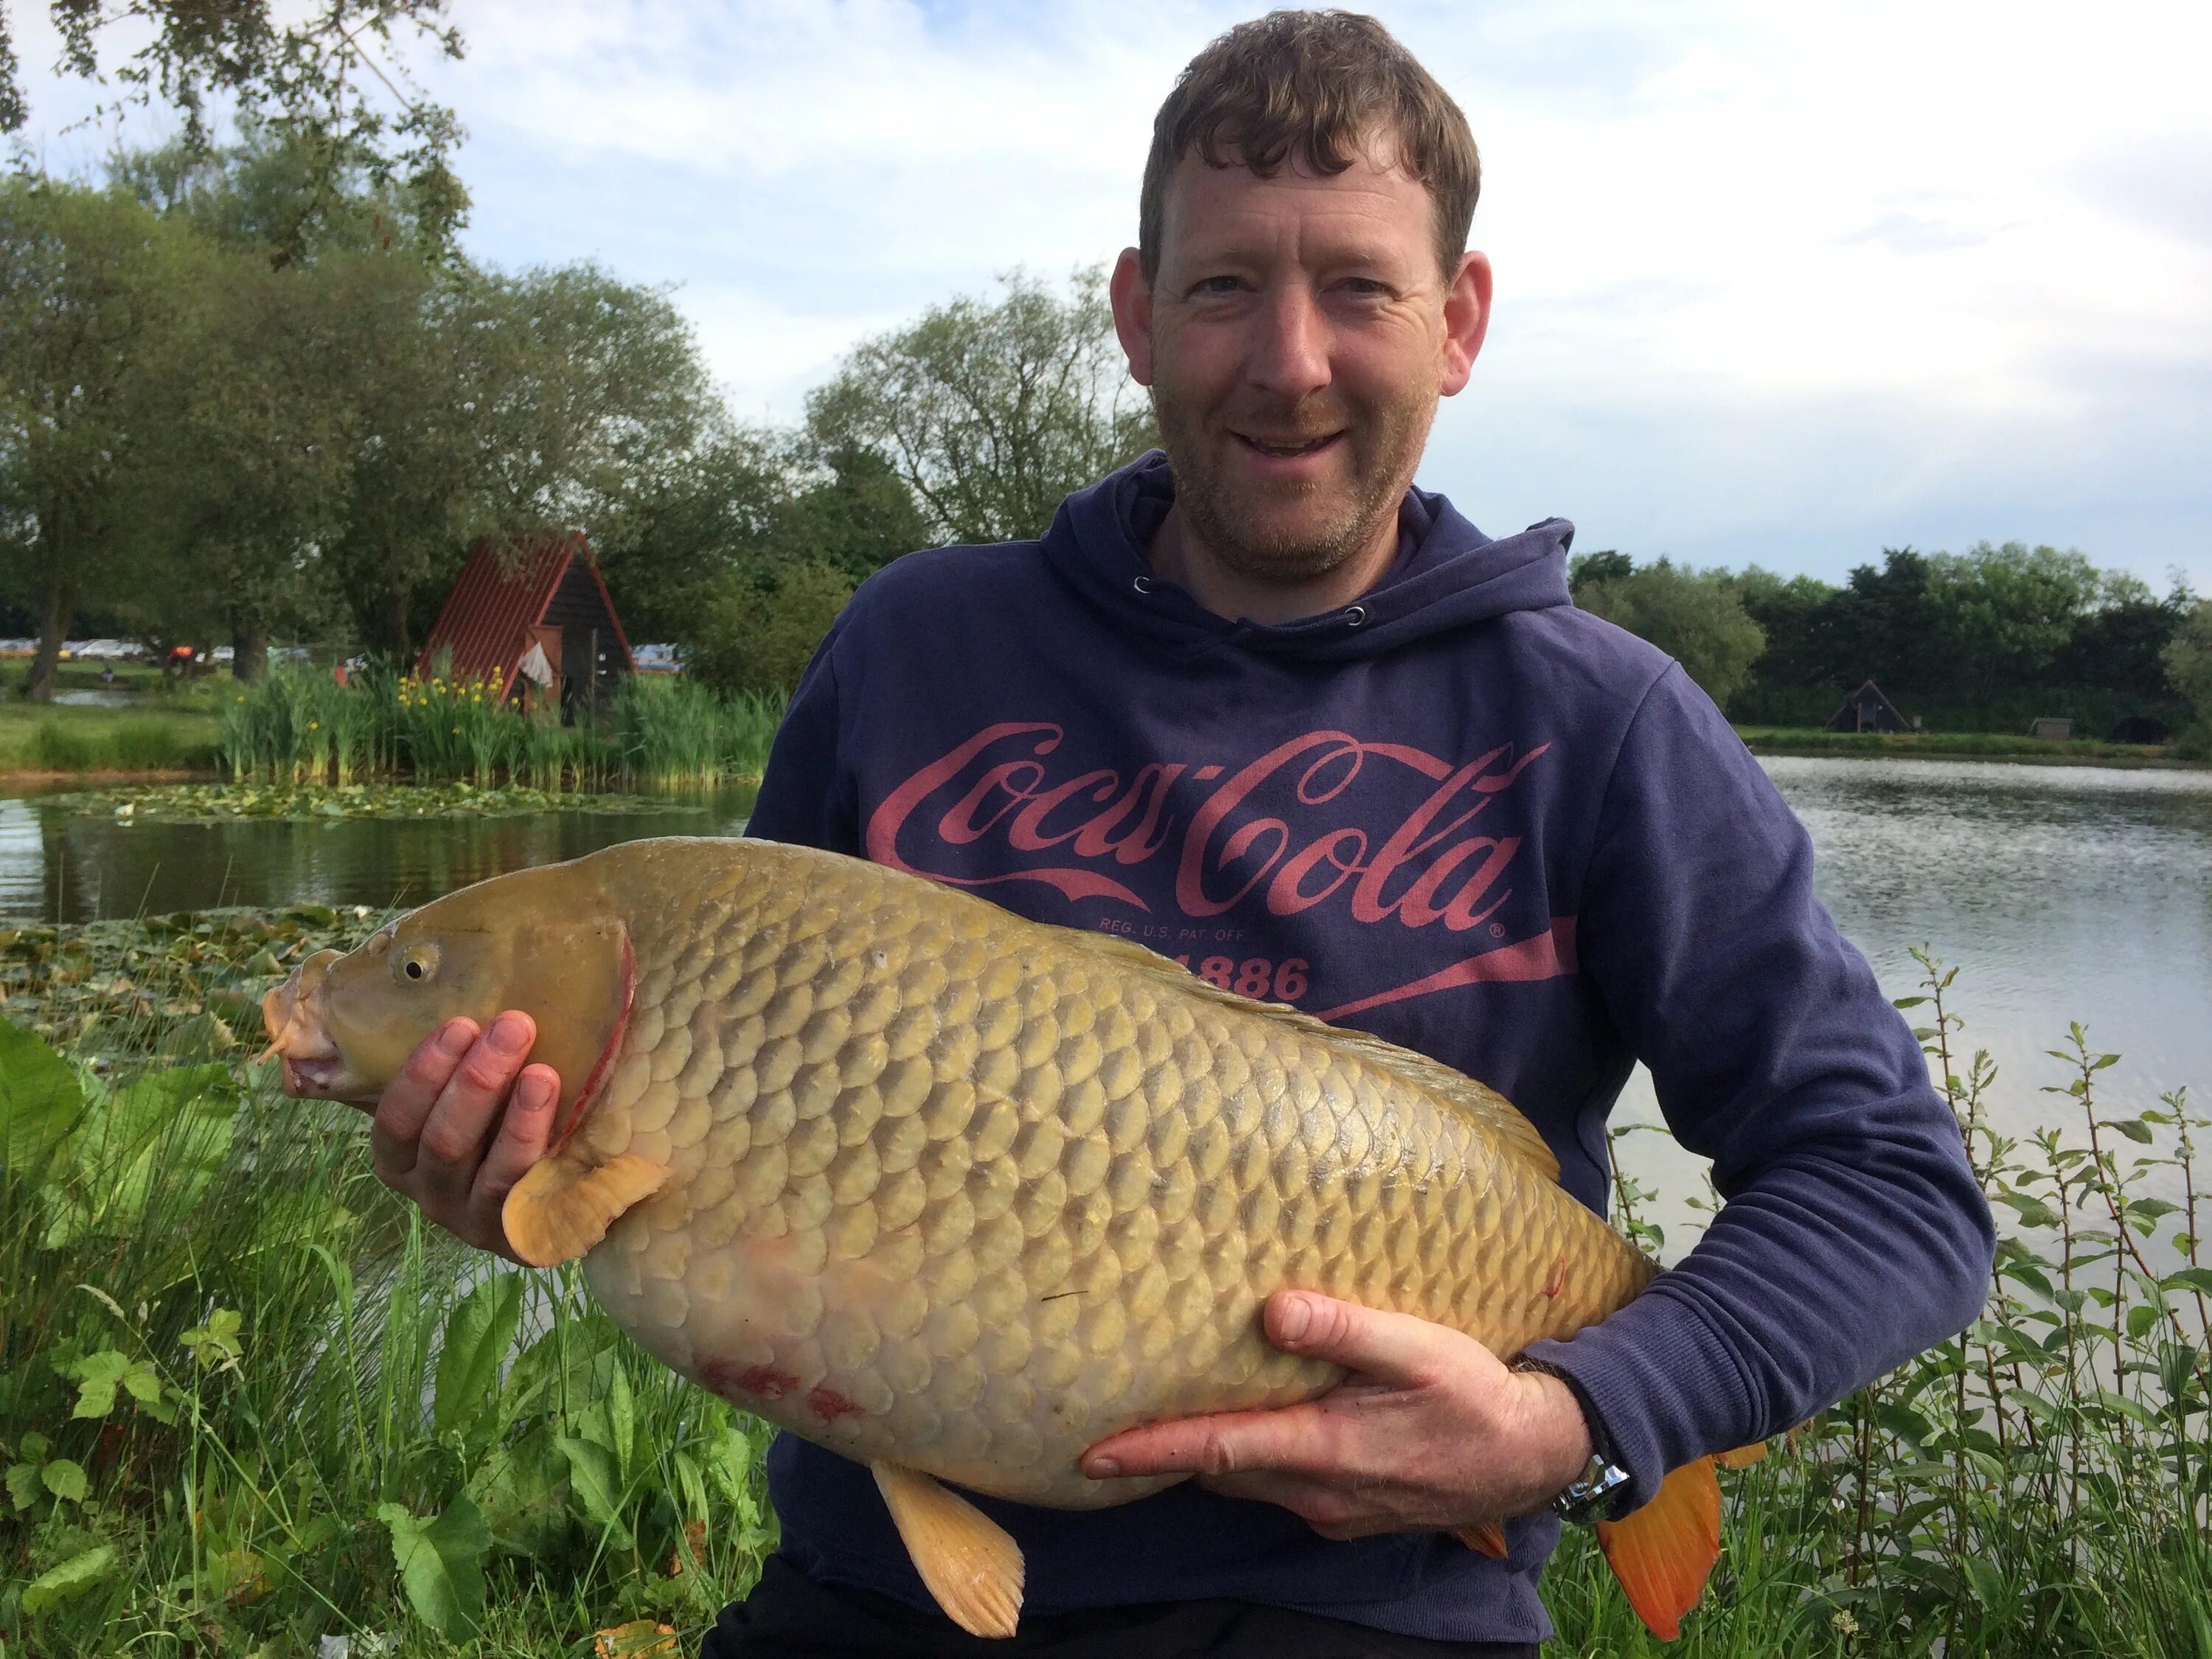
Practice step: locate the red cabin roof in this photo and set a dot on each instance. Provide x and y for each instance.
(488, 619)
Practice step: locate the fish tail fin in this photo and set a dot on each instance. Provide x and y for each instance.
(1664, 1553)
(1484, 1537)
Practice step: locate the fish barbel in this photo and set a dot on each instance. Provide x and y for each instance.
(957, 1194)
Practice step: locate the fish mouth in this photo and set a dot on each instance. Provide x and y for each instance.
(300, 1036)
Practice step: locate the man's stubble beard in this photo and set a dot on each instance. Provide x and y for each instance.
(1386, 448)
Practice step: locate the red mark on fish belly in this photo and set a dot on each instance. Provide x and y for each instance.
(826, 1403)
(753, 1382)
(1559, 1278)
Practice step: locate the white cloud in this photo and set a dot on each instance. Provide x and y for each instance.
(1784, 282)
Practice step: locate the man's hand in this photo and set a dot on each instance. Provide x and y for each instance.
(1429, 1433)
(434, 1138)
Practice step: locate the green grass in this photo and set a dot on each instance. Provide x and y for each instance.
(1943, 745)
(161, 737)
(238, 1379)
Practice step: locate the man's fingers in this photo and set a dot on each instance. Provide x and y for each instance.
(408, 1098)
(523, 1134)
(460, 1127)
(1298, 1439)
(1388, 1347)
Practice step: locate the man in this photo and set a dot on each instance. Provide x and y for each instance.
(1261, 705)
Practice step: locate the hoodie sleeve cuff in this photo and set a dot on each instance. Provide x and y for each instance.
(1658, 1384)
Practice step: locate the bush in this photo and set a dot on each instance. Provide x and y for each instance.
(55, 748)
(1694, 615)
(143, 746)
(758, 636)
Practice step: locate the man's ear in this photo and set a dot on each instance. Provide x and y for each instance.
(1466, 319)
(1131, 297)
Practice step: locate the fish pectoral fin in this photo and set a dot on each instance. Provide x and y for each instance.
(559, 1209)
(1743, 1457)
(1485, 1538)
(1664, 1553)
(971, 1565)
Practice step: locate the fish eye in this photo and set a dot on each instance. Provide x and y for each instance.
(418, 962)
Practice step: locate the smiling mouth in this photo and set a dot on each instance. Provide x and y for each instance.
(1291, 449)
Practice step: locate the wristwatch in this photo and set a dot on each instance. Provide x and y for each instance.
(1597, 1495)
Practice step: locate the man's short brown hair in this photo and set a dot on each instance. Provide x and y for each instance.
(1311, 87)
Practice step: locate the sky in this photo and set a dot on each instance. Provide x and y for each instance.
(1782, 284)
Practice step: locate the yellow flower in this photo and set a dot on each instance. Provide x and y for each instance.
(314, 726)
(457, 731)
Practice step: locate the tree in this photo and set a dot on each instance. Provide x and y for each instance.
(1695, 616)
(503, 406)
(758, 635)
(327, 80)
(92, 285)
(991, 412)
(2188, 659)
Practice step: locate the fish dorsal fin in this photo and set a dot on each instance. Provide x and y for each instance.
(969, 1562)
(1491, 1110)
(559, 1209)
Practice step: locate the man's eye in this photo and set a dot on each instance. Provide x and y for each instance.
(1217, 285)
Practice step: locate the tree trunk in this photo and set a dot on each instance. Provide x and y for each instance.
(249, 650)
(396, 629)
(61, 604)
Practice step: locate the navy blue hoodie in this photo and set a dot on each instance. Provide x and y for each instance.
(1474, 820)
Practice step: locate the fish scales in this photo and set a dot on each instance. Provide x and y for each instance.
(955, 1190)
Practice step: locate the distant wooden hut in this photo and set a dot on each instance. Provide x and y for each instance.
(539, 616)
(1868, 709)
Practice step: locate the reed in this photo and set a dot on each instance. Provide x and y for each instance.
(238, 1380)
(298, 726)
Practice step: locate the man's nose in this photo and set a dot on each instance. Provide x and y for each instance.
(1290, 357)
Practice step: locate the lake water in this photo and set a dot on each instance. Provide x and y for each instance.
(2061, 894)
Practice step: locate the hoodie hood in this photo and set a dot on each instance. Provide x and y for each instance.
(1449, 574)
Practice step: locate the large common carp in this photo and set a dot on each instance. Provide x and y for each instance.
(958, 1195)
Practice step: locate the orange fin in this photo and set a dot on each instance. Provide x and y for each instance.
(1743, 1457)
(560, 1210)
(1664, 1553)
(971, 1565)
(1485, 1538)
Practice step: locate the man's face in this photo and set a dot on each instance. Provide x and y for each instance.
(1296, 339)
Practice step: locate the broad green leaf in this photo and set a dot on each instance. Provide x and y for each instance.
(2141, 1318)
(439, 1564)
(622, 1420)
(217, 1342)
(23, 1485)
(2134, 1128)
(65, 1479)
(478, 1333)
(39, 1098)
(72, 1578)
(593, 1478)
(96, 1376)
(35, 1446)
(2189, 1278)
(691, 1486)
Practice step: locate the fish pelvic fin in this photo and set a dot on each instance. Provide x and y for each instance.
(1485, 1538)
(1743, 1457)
(561, 1209)
(1664, 1553)
(967, 1559)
